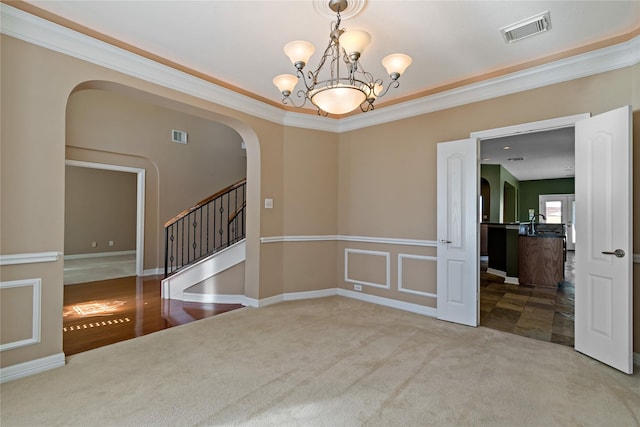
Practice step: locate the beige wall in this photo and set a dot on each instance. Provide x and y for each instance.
(108, 127)
(100, 206)
(387, 173)
(379, 181)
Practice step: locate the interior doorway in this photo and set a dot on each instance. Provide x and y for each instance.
(139, 203)
(541, 312)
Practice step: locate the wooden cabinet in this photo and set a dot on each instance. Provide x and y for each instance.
(541, 260)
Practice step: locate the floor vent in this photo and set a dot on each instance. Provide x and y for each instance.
(527, 27)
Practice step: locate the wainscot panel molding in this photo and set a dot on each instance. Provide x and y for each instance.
(31, 367)
(41, 32)
(401, 287)
(30, 258)
(36, 302)
(387, 260)
(344, 238)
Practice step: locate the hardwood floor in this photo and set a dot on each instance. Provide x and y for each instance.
(104, 312)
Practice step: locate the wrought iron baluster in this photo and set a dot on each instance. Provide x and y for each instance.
(184, 246)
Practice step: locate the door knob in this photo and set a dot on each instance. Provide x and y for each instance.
(445, 241)
(618, 252)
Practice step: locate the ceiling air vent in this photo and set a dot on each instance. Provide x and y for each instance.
(178, 136)
(527, 27)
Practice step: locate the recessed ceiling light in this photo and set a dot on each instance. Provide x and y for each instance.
(506, 147)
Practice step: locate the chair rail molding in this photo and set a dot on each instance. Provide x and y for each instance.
(30, 258)
(345, 238)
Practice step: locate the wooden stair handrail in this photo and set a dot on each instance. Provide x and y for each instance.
(205, 201)
(237, 212)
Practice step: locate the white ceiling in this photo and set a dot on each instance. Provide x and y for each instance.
(239, 42)
(540, 155)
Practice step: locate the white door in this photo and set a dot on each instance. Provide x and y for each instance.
(560, 209)
(458, 269)
(603, 310)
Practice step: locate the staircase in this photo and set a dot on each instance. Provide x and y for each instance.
(205, 240)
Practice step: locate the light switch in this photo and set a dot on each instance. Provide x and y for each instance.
(268, 203)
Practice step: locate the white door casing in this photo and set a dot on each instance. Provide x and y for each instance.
(458, 250)
(604, 300)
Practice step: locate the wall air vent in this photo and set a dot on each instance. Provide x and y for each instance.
(527, 27)
(515, 159)
(178, 136)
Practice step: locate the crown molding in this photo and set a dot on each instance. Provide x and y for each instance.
(38, 31)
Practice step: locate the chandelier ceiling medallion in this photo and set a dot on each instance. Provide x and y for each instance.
(347, 85)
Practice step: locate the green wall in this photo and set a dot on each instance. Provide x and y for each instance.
(496, 175)
(527, 192)
(530, 190)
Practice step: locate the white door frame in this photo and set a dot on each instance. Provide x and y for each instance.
(532, 127)
(140, 173)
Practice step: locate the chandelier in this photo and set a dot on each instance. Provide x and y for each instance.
(347, 85)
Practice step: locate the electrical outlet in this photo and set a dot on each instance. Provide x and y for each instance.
(110, 242)
(94, 244)
(357, 287)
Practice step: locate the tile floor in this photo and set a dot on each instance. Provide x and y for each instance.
(83, 270)
(538, 312)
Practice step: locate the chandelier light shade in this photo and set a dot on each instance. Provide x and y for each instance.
(344, 85)
(339, 99)
(285, 83)
(396, 64)
(354, 42)
(299, 52)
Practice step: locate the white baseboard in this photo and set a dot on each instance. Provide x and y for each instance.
(388, 302)
(322, 293)
(241, 299)
(214, 298)
(507, 279)
(99, 254)
(153, 272)
(31, 367)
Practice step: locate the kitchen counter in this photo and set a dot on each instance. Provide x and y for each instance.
(541, 259)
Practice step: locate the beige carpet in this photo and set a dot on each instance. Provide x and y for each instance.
(325, 362)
